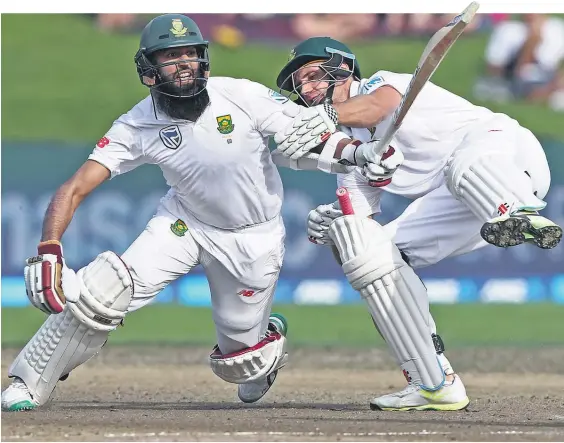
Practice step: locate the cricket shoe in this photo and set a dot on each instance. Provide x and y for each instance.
(522, 227)
(451, 397)
(254, 391)
(17, 397)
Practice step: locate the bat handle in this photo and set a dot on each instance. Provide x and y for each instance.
(345, 201)
(382, 145)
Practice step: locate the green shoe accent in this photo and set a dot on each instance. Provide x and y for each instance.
(280, 323)
(25, 405)
(430, 407)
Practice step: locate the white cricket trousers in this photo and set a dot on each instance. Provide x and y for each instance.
(437, 225)
(240, 311)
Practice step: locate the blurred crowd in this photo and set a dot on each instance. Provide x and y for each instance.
(523, 59)
(235, 29)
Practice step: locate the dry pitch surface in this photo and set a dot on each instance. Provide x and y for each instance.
(170, 394)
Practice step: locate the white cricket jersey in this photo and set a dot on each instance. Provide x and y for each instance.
(434, 126)
(219, 167)
(222, 178)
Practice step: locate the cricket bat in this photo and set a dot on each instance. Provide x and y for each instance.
(432, 56)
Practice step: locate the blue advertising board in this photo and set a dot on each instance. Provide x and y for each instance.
(114, 215)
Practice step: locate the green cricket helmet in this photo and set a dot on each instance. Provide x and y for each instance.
(333, 53)
(165, 32)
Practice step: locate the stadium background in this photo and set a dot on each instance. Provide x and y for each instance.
(65, 79)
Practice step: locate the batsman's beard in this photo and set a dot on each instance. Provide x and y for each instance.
(183, 108)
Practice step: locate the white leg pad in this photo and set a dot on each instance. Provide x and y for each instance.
(69, 339)
(490, 184)
(60, 345)
(396, 297)
(106, 290)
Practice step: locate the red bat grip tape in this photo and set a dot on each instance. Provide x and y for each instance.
(345, 201)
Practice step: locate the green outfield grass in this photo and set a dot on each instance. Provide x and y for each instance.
(67, 81)
(339, 326)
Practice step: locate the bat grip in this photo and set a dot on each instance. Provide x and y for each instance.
(345, 201)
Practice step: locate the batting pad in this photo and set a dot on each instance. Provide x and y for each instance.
(61, 344)
(106, 289)
(490, 184)
(250, 364)
(396, 297)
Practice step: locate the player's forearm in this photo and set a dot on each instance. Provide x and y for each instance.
(362, 111)
(60, 212)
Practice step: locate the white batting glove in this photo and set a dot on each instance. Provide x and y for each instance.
(310, 128)
(318, 221)
(378, 169)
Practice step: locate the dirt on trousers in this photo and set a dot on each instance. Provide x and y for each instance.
(170, 394)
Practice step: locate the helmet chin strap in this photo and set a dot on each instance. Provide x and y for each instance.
(329, 96)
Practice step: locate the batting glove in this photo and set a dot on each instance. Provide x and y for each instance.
(310, 128)
(378, 169)
(49, 283)
(318, 221)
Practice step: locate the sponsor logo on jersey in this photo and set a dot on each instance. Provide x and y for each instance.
(171, 137)
(246, 292)
(225, 124)
(372, 82)
(178, 28)
(103, 142)
(179, 228)
(277, 97)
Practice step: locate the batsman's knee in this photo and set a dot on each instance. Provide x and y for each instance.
(364, 249)
(106, 290)
(474, 177)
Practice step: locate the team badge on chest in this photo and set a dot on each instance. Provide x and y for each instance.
(179, 228)
(225, 124)
(171, 137)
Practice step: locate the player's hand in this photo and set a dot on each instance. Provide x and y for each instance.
(308, 129)
(378, 169)
(49, 284)
(318, 221)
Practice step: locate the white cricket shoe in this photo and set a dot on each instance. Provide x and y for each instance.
(16, 397)
(451, 397)
(252, 392)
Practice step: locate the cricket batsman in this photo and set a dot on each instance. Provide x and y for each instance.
(209, 137)
(475, 177)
